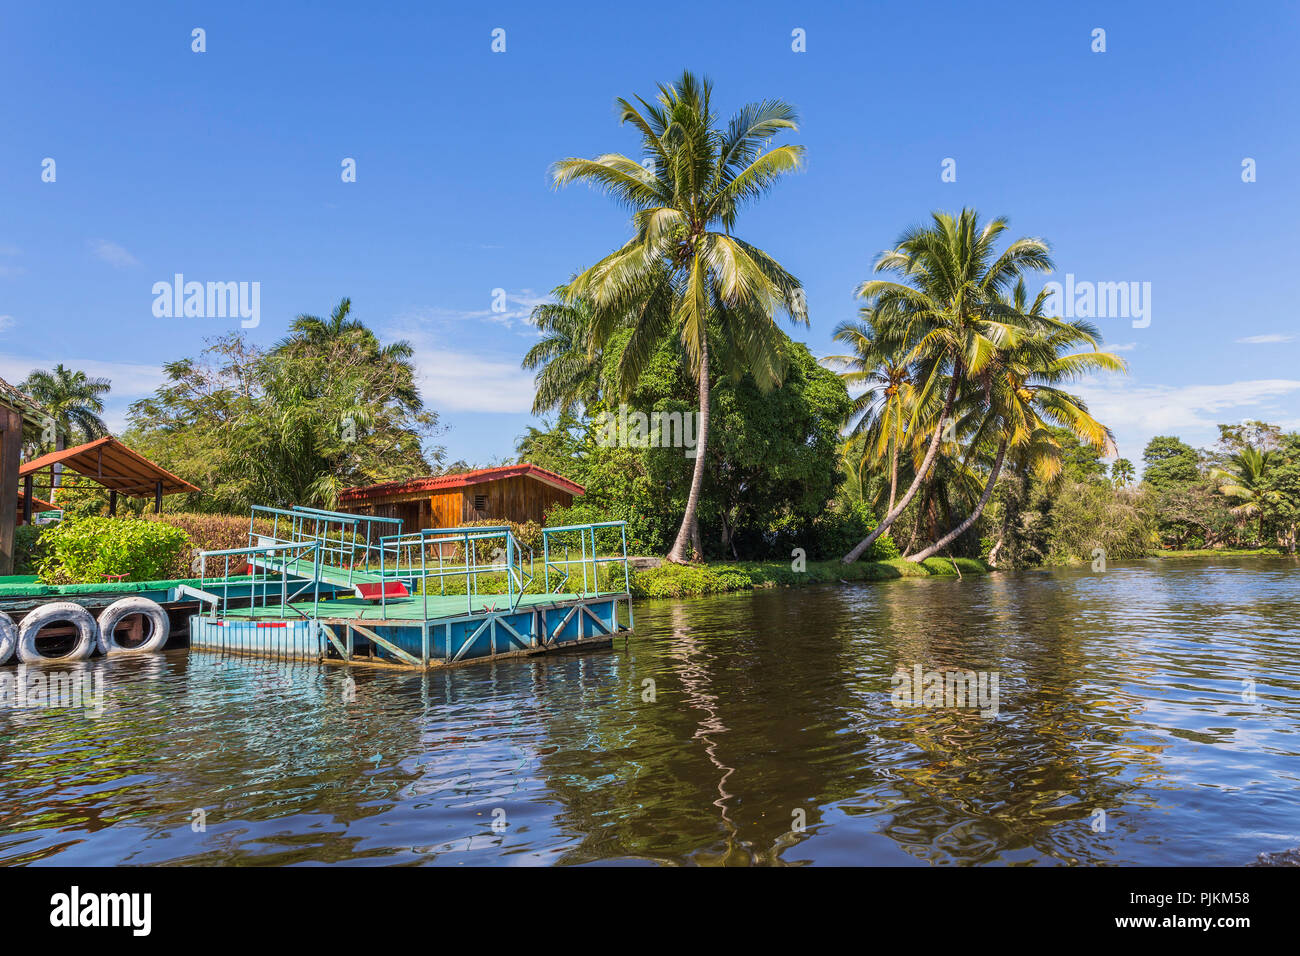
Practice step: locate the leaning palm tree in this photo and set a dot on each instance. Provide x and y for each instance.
(568, 372)
(684, 271)
(73, 401)
(878, 419)
(946, 305)
(1021, 399)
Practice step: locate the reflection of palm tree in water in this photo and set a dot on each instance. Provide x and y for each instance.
(695, 681)
(694, 677)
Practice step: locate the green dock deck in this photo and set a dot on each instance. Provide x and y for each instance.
(439, 607)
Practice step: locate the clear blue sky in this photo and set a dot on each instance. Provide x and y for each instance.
(225, 166)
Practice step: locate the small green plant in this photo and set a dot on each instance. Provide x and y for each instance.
(94, 549)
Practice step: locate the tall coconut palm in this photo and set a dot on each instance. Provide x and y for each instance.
(684, 270)
(73, 401)
(878, 420)
(568, 372)
(946, 304)
(1019, 399)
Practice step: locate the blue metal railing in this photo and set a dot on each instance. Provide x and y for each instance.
(282, 563)
(587, 560)
(345, 542)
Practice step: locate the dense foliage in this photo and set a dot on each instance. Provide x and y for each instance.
(770, 474)
(327, 408)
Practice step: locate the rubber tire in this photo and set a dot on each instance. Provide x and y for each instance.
(46, 614)
(112, 615)
(8, 637)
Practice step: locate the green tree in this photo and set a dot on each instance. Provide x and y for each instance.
(568, 371)
(328, 407)
(1121, 472)
(74, 401)
(1168, 462)
(947, 306)
(684, 268)
(1244, 479)
(883, 417)
(1022, 400)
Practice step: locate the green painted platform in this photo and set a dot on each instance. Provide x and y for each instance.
(440, 607)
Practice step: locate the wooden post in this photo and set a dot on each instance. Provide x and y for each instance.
(112, 502)
(157, 497)
(11, 448)
(28, 491)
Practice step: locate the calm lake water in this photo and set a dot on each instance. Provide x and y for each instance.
(771, 738)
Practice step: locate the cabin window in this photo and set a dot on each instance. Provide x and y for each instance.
(480, 502)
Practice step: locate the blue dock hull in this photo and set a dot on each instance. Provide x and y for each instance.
(413, 643)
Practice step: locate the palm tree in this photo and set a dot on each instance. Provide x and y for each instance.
(1121, 472)
(317, 331)
(946, 306)
(1020, 400)
(1243, 478)
(73, 401)
(568, 373)
(878, 419)
(684, 270)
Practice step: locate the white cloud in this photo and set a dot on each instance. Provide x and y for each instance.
(455, 380)
(1265, 339)
(1126, 347)
(1157, 409)
(110, 252)
(518, 307)
(6, 322)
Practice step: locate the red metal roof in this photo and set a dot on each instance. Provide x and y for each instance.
(113, 465)
(464, 479)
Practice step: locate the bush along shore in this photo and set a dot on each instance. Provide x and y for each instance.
(676, 580)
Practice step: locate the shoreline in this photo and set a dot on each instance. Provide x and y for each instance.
(700, 580)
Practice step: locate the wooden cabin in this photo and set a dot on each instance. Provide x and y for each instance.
(517, 493)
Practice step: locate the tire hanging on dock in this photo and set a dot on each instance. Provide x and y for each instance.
(74, 615)
(8, 637)
(115, 613)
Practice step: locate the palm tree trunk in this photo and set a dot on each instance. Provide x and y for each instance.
(893, 474)
(921, 474)
(689, 531)
(970, 518)
(993, 555)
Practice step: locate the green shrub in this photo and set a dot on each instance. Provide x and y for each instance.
(205, 532)
(88, 550)
(837, 531)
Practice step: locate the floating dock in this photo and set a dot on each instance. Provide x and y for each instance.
(335, 587)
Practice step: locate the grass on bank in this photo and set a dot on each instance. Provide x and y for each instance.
(693, 580)
(1221, 553)
(671, 580)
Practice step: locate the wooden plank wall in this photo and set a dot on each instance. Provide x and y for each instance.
(513, 499)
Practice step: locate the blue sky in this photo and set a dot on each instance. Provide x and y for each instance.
(225, 166)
